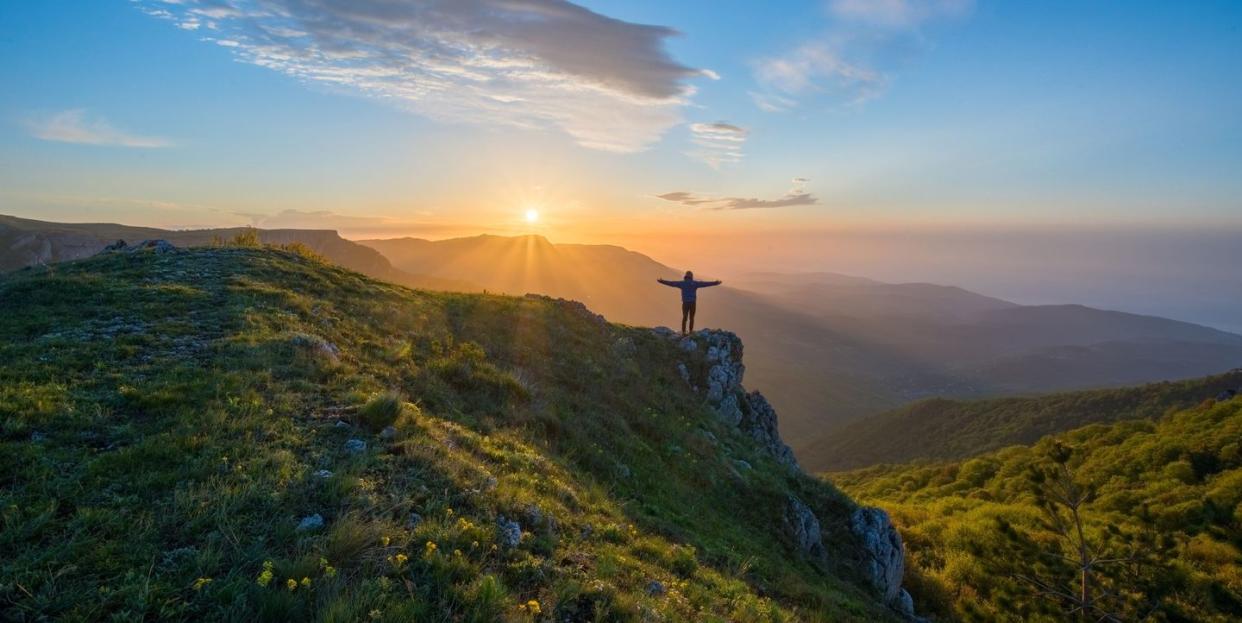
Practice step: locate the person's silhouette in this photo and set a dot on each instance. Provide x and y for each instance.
(689, 289)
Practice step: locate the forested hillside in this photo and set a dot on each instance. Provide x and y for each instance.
(1161, 508)
(942, 429)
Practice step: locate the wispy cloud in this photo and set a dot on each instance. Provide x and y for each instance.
(718, 143)
(76, 126)
(851, 61)
(796, 196)
(608, 83)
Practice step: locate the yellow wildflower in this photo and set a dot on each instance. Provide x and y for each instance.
(265, 577)
(375, 614)
(200, 583)
(291, 583)
(449, 512)
(401, 558)
(457, 552)
(384, 540)
(533, 606)
(329, 571)
(430, 547)
(305, 582)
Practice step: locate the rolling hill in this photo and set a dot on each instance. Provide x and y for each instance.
(25, 242)
(942, 429)
(253, 434)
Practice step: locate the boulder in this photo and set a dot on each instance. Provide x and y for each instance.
(310, 522)
(802, 529)
(655, 588)
(508, 532)
(883, 561)
(355, 446)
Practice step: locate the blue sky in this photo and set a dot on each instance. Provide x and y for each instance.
(969, 111)
(681, 129)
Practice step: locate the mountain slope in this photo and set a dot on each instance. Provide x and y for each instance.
(831, 348)
(25, 242)
(200, 434)
(941, 429)
(1170, 490)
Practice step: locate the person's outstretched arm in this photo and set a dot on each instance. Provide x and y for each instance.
(667, 282)
(708, 284)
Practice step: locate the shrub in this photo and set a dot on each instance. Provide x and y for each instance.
(380, 411)
(249, 237)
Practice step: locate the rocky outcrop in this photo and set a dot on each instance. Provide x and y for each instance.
(155, 246)
(883, 561)
(801, 527)
(759, 420)
(714, 366)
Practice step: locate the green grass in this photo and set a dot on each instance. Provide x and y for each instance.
(1177, 480)
(165, 420)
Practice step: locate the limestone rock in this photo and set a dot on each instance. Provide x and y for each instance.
(759, 421)
(883, 558)
(508, 532)
(355, 446)
(802, 528)
(310, 522)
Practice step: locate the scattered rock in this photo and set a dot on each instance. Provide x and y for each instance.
(355, 446)
(883, 558)
(38, 437)
(689, 345)
(664, 332)
(413, 520)
(802, 528)
(119, 245)
(742, 465)
(310, 522)
(684, 372)
(315, 344)
(1228, 394)
(323, 473)
(655, 588)
(342, 424)
(389, 432)
(508, 532)
(157, 246)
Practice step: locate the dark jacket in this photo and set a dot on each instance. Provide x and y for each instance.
(688, 287)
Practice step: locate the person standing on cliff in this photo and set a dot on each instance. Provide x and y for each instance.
(689, 291)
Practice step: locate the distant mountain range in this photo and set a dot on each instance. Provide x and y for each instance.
(827, 349)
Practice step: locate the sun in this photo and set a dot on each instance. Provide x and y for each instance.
(532, 215)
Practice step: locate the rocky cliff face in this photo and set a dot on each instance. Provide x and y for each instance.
(713, 367)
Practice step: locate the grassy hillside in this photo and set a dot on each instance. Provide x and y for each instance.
(940, 429)
(1169, 491)
(169, 424)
